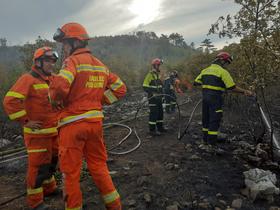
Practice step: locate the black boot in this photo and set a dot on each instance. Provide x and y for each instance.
(41, 206)
(163, 130)
(154, 133)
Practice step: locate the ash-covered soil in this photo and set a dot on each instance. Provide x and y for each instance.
(165, 173)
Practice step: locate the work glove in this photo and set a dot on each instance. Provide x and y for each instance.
(33, 124)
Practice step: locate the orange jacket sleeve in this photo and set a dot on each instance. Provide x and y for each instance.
(14, 100)
(60, 84)
(115, 89)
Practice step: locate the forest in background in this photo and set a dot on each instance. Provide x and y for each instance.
(256, 57)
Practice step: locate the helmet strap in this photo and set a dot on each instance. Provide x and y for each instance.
(41, 67)
(71, 43)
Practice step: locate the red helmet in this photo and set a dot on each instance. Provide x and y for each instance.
(71, 31)
(157, 61)
(45, 52)
(225, 57)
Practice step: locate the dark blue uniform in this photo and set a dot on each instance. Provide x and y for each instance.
(169, 90)
(214, 80)
(153, 85)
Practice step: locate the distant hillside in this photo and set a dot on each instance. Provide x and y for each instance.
(128, 55)
(9, 55)
(139, 48)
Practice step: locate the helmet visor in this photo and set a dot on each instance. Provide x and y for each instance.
(58, 35)
(51, 55)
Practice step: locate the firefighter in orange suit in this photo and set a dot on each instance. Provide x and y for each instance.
(27, 102)
(83, 84)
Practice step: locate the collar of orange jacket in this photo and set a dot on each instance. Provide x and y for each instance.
(44, 77)
(81, 50)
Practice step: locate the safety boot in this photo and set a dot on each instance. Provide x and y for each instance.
(54, 193)
(163, 130)
(221, 140)
(219, 151)
(154, 133)
(41, 206)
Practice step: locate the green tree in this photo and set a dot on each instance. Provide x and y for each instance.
(257, 26)
(177, 40)
(207, 46)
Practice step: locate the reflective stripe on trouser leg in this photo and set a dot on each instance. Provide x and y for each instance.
(168, 104)
(167, 108)
(212, 137)
(205, 134)
(173, 104)
(214, 124)
(153, 116)
(34, 196)
(96, 156)
(49, 185)
(205, 120)
(159, 119)
(39, 157)
(215, 116)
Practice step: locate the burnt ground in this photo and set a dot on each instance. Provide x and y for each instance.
(165, 173)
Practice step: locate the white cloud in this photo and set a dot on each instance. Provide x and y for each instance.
(23, 21)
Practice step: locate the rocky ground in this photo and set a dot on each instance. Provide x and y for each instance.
(164, 173)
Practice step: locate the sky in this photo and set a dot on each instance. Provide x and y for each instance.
(23, 21)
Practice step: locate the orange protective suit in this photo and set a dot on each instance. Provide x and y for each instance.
(82, 85)
(28, 100)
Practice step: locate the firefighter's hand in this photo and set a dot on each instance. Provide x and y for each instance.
(249, 93)
(34, 124)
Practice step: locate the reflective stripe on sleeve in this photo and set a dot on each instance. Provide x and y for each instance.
(111, 197)
(66, 75)
(17, 114)
(15, 94)
(40, 86)
(110, 96)
(116, 85)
